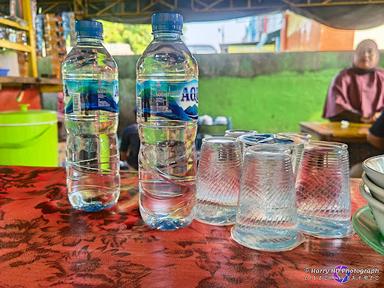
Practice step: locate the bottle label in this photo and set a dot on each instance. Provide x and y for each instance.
(171, 100)
(83, 95)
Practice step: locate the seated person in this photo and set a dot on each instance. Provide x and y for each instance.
(375, 137)
(130, 146)
(357, 93)
(376, 133)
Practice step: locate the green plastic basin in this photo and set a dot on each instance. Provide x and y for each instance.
(28, 138)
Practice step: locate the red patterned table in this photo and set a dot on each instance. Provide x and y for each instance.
(44, 243)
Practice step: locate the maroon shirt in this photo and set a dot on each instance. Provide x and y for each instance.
(355, 90)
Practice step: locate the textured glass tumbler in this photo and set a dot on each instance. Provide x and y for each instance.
(297, 144)
(251, 139)
(238, 132)
(296, 136)
(267, 217)
(322, 189)
(300, 140)
(218, 181)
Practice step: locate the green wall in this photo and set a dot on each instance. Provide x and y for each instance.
(269, 103)
(265, 92)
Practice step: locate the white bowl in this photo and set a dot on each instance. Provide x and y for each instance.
(377, 207)
(374, 167)
(376, 191)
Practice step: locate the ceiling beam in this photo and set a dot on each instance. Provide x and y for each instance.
(329, 3)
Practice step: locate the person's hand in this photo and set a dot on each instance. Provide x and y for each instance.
(376, 116)
(371, 119)
(367, 119)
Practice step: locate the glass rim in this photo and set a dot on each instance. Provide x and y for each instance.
(229, 139)
(267, 138)
(267, 147)
(240, 130)
(327, 144)
(297, 134)
(167, 123)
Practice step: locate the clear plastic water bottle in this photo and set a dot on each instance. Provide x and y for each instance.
(91, 118)
(167, 103)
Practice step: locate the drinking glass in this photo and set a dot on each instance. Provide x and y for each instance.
(300, 140)
(218, 180)
(322, 189)
(248, 140)
(238, 132)
(296, 136)
(251, 139)
(267, 217)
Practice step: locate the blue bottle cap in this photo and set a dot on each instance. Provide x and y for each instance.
(167, 22)
(89, 28)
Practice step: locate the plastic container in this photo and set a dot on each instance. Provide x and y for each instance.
(4, 72)
(90, 79)
(28, 138)
(167, 104)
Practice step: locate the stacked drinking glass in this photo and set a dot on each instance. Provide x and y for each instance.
(273, 188)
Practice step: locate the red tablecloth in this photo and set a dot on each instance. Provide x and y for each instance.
(44, 243)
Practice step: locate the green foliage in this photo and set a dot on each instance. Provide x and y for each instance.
(268, 103)
(138, 36)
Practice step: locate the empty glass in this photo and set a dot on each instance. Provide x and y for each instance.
(300, 140)
(256, 139)
(296, 136)
(267, 217)
(218, 181)
(237, 132)
(322, 189)
(251, 139)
